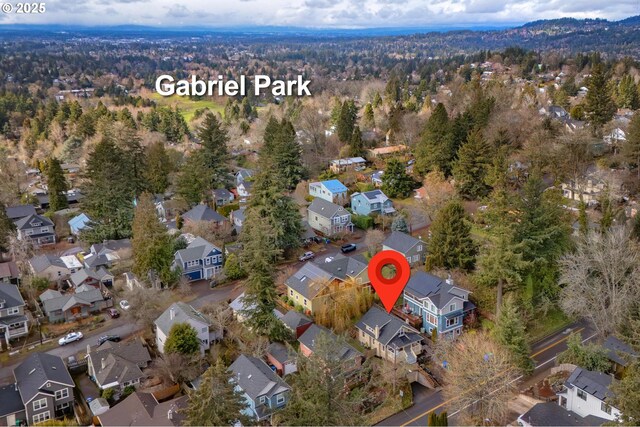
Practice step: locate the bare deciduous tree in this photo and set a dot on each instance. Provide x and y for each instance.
(602, 279)
(480, 378)
(439, 192)
(373, 241)
(175, 368)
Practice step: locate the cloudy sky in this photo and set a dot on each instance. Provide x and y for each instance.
(320, 13)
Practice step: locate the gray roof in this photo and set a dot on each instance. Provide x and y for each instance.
(280, 352)
(326, 208)
(196, 250)
(256, 378)
(182, 313)
(110, 246)
(122, 361)
(83, 274)
(96, 261)
(292, 320)
(10, 401)
(29, 221)
(49, 294)
(37, 369)
(312, 277)
(619, 351)
(16, 212)
(310, 336)
(424, 285)
(401, 242)
(203, 213)
(142, 409)
(39, 263)
(222, 193)
(392, 331)
(65, 302)
(595, 383)
(552, 414)
(11, 295)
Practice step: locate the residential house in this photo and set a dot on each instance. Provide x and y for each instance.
(9, 273)
(73, 198)
(310, 338)
(376, 178)
(71, 262)
(50, 267)
(348, 164)
(180, 312)
(438, 302)
(13, 321)
(142, 409)
(79, 223)
(383, 152)
(414, 250)
(37, 228)
(117, 364)
(587, 393)
(237, 220)
(161, 207)
(45, 386)
(239, 307)
(296, 322)
(616, 137)
(282, 358)
(112, 248)
(588, 190)
(131, 281)
(199, 260)
(12, 411)
(390, 337)
(244, 189)
(552, 414)
(15, 213)
(620, 354)
(371, 202)
(264, 391)
(554, 111)
(332, 190)
(203, 213)
(313, 285)
(68, 307)
(243, 175)
(222, 197)
(91, 277)
(328, 218)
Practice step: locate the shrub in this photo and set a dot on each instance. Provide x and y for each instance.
(225, 210)
(363, 222)
(107, 394)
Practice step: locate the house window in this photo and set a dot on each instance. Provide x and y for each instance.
(38, 418)
(262, 399)
(62, 394)
(44, 230)
(62, 406)
(452, 307)
(419, 248)
(605, 408)
(207, 261)
(296, 297)
(39, 404)
(204, 330)
(291, 292)
(582, 395)
(415, 258)
(13, 310)
(280, 399)
(432, 319)
(452, 321)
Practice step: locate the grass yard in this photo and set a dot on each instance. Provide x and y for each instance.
(542, 326)
(187, 106)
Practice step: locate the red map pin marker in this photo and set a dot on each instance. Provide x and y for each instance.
(389, 289)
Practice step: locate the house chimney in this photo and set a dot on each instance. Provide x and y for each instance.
(102, 363)
(172, 313)
(449, 280)
(170, 414)
(88, 348)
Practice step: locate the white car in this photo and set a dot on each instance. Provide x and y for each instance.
(124, 304)
(70, 337)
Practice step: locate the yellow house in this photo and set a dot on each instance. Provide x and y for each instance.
(312, 286)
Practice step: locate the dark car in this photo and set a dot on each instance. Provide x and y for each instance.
(348, 248)
(113, 313)
(114, 338)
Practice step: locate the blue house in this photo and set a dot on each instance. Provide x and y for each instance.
(332, 191)
(370, 202)
(199, 260)
(438, 302)
(79, 223)
(264, 391)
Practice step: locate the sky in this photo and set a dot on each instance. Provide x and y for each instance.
(319, 13)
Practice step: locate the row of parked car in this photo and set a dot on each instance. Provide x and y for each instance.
(349, 247)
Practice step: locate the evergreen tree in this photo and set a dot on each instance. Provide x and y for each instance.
(213, 139)
(57, 184)
(232, 268)
(626, 394)
(369, 116)
(158, 168)
(599, 107)
(510, 333)
(7, 227)
(628, 96)
(631, 148)
(471, 168)
(435, 150)
(377, 100)
(320, 394)
(216, 402)
(583, 219)
(282, 152)
(151, 245)
(635, 227)
(395, 181)
(183, 339)
(193, 181)
(356, 146)
(592, 357)
(134, 156)
(400, 224)
(450, 245)
(347, 120)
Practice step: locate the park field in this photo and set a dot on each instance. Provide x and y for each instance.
(187, 106)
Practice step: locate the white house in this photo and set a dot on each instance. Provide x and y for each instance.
(587, 393)
(179, 312)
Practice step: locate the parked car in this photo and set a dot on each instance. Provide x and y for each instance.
(113, 313)
(349, 247)
(124, 304)
(71, 361)
(105, 338)
(307, 256)
(70, 337)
